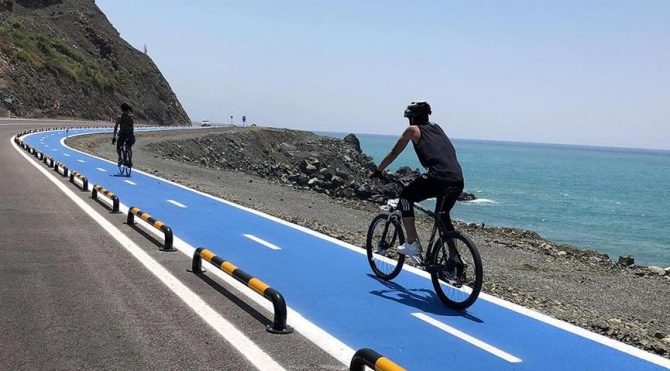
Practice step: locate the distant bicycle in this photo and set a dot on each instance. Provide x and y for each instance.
(126, 164)
(452, 259)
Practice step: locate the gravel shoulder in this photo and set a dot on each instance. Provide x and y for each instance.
(626, 303)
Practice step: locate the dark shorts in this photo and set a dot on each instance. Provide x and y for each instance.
(130, 137)
(424, 187)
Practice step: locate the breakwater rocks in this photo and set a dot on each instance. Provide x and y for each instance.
(302, 159)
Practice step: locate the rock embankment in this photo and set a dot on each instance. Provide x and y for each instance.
(302, 159)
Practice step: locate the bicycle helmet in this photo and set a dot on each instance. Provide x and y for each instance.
(125, 107)
(417, 109)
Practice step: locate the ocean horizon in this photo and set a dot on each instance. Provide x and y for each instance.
(612, 200)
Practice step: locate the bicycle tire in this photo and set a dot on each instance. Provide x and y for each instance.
(383, 256)
(126, 158)
(457, 284)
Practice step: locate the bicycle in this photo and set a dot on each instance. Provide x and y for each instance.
(455, 267)
(126, 164)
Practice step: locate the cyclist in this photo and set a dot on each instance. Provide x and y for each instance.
(126, 131)
(444, 179)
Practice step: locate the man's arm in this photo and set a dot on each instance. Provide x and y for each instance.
(116, 126)
(409, 133)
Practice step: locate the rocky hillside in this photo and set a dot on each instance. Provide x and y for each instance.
(302, 159)
(63, 58)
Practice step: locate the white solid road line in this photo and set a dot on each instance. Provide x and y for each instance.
(262, 242)
(130, 182)
(470, 339)
(177, 204)
(101, 169)
(227, 330)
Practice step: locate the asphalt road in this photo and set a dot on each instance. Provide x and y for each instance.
(71, 296)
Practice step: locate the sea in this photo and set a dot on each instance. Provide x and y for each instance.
(612, 200)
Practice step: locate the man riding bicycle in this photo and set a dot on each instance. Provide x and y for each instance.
(444, 179)
(126, 132)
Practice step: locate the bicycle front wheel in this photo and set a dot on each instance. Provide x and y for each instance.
(456, 271)
(384, 237)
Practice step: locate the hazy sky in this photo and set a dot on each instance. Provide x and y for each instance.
(581, 72)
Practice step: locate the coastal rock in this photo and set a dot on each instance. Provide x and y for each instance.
(626, 261)
(656, 270)
(465, 196)
(353, 141)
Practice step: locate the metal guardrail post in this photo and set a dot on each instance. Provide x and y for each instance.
(368, 357)
(110, 195)
(167, 231)
(278, 303)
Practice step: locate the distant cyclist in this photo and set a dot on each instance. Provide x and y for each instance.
(444, 179)
(126, 131)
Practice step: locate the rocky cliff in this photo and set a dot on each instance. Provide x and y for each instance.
(63, 58)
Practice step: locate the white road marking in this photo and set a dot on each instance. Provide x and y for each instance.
(54, 149)
(69, 156)
(470, 339)
(101, 169)
(46, 145)
(130, 182)
(82, 161)
(334, 346)
(262, 242)
(177, 204)
(227, 330)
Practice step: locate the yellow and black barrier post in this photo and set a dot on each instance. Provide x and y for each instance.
(83, 179)
(167, 231)
(58, 166)
(278, 326)
(370, 358)
(110, 195)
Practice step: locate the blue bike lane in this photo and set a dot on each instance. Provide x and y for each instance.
(332, 286)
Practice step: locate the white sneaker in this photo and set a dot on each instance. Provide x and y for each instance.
(410, 248)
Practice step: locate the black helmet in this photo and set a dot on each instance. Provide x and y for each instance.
(125, 107)
(417, 109)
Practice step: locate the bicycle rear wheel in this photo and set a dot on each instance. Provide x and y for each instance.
(384, 237)
(125, 167)
(456, 271)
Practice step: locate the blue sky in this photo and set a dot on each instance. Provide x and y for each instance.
(577, 72)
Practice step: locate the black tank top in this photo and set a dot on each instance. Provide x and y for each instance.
(126, 123)
(437, 154)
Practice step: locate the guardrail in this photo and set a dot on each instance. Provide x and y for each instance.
(82, 179)
(110, 195)
(278, 325)
(167, 231)
(48, 160)
(370, 358)
(58, 166)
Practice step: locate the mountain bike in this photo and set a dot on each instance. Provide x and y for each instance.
(126, 164)
(452, 258)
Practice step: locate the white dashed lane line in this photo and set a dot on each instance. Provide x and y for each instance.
(130, 182)
(82, 161)
(177, 204)
(262, 242)
(67, 155)
(101, 169)
(470, 339)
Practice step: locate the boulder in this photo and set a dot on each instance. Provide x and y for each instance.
(363, 191)
(465, 196)
(626, 261)
(656, 270)
(354, 142)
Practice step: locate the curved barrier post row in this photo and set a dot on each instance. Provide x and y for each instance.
(58, 166)
(279, 324)
(155, 223)
(110, 195)
(368, 357)
(82, 179)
